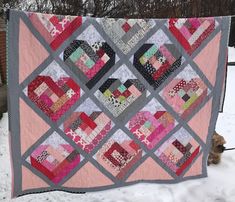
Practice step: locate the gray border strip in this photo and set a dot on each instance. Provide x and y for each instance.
(13, 93)
(219, 80)
(123, 59)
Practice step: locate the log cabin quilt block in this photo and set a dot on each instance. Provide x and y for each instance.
(100, 103)
(87, 125)
(53, 91)
(54, 158)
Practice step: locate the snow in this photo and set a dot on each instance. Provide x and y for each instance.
(231, 54)
(218, 187)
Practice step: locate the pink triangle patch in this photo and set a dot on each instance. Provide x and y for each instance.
(28, 60)
(201, 127)
(149, 170)
(31, 181)
(88, 176)
(204, 62)
(32, 127)
(196, 168)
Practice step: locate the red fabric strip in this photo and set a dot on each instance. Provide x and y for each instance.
(120, 150)
(161, 70)
(66, 33)
(53, 86)
(61, 167)
(158, 114)
(54, 20)
(70, 83)
(41, 168)
(135, 146)
(88, 120)
(185, 165)
(179, 36)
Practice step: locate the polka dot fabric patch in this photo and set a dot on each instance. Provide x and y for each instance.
(185, 92)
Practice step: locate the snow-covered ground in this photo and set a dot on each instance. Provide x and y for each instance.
(218, 187)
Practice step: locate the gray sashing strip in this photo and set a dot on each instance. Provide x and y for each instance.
(15, 89)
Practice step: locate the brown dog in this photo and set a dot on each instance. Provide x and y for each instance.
(217, 148)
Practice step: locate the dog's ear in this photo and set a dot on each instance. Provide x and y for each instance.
(219, 139)
(215, 133)
(215, 139)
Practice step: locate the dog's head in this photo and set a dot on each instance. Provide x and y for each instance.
(218, 142)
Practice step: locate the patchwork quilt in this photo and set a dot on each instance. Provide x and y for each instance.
(100, 103)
